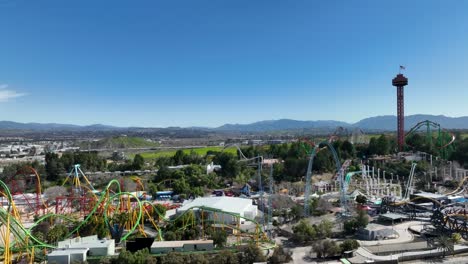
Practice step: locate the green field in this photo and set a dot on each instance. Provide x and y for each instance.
(121, 142)
(170, 153)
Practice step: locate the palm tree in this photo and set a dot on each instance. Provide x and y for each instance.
(445, 244)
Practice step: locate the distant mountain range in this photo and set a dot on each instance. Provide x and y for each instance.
(281, 124)
(10, 125)
(378, 123)
(389, 122)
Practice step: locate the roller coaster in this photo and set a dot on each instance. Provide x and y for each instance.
(445, 218)
(356, 136)
(340, 175)
(451, 220)
(123, 213)
(442, 144)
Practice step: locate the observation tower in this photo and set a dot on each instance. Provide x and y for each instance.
(400, 81)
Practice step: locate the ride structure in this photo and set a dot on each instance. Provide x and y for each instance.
(121, 213)
(355, 136)
(25, 178)
(441, 145)
(340, 177)
(400, 82)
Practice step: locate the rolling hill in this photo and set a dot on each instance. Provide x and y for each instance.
(379, 123)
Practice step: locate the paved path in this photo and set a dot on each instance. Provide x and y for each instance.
(449, 260)
(362, 254)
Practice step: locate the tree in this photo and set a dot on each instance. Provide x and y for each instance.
(362, 219)
(159, 212)
(361, 199)
(230, 167)
(174, 258)
(325, 248)
(348, 245)
(461, 152)
(295, 168)
(95, 226)
(180, 186)
(198, 259)
(297, 212)
(56, 233)
(359, 221)
(303, 232)
(53, 166)
(324, 229)
(278, 172)
(138, 162)
(41, 230)
(445, 244)
(456, 238)
(323, 162)
(350, 226)
(383, 146)
(225, 257)
(251, 253)
(140, 257)
(280, 255)
(347, 150)
(178, 158)
(372, 148)
(219, 238)
(170, 236)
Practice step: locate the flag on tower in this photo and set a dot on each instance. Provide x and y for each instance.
(402, 67)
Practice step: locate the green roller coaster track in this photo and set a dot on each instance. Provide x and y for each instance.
(24, 241)
(443, 145)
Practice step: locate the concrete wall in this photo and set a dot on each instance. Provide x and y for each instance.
(101, 249)
(77, 257)
(160, 250)
(58, 259)
(67, 257)
(199, 247)
(98, 251)
(185, 247)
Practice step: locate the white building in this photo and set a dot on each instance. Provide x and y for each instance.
(231, 209)
(77, 249)
(66, 256)
(159, 247)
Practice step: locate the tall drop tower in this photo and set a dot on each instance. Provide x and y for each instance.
(400, 82)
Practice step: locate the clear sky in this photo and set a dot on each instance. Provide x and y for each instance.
(206, 63)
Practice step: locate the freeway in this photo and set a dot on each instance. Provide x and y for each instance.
(142, 149)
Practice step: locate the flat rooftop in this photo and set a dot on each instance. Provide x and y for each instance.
(68, 251)
(225, 203)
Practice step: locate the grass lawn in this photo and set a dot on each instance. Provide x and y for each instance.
(170, 153)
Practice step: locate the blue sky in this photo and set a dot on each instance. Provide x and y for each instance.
(206, 63)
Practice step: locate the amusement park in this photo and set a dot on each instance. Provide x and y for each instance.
(348, 197)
